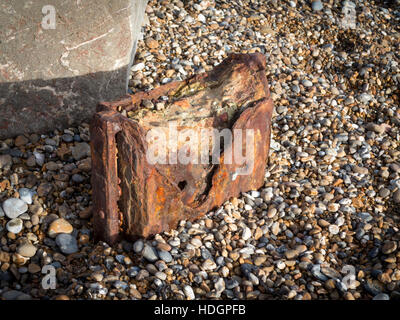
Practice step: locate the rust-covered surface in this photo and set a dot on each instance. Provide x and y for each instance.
(133, 197)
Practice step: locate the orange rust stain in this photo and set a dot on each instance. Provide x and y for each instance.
(221, 175)
(160, 194)
(184, 104)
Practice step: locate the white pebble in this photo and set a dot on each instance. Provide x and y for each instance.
(14, 225)
(255, 194)
(138, 67)
(333, 229)
(189, 292)
(246, 234)
(14, 207)
(201, 18)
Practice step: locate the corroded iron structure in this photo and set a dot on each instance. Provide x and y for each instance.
(132, 197)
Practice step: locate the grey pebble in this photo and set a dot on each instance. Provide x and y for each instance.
(206, 254)
(81, 150)
(120, 258)
(165, 256)
(231, 284)
(317, 5)
(138, 246)
(396, 197)
(161, 275)
(15, 295)
(384, 192)
(381, 296)
(26, 195)
(316, 272)
(5, 160)
(78, 178)
(307, 83)
(67, 137)
(132, 272)
(149, 253)
(142, 274)
(14, 207)
(365, 216)
(67, 243)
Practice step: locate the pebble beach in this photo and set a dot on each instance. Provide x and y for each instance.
(326, 223)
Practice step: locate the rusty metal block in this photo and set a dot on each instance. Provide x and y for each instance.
(133, 195)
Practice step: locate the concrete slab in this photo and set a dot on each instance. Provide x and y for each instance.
(59, 58)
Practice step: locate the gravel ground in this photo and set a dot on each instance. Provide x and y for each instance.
(324, 226)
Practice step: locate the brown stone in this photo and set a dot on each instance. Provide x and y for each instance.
(307, 296)
(258, 233)
(4, 256)
(4, 267)
(44, 189)
(63, 151)
(170, 73)
(132, 196)
(21, 141)
(135, 293)
(330, 284)
(209, 223)
(348, 296)
(260, 260)
(163, 246)
(85, 165)
(18, 259)
(389, 247)
(33, 268)
(151, 43)
(290, 254)
(5, 184)
(161, 57)
(59, 226)
(323, 223)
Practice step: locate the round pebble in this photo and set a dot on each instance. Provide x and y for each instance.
(189, 292)
(59, 226)
(150, 253)
(317, 5)
(67, 243)
(27, 250)
(14, 207)
(14, 225)
(138, 246)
